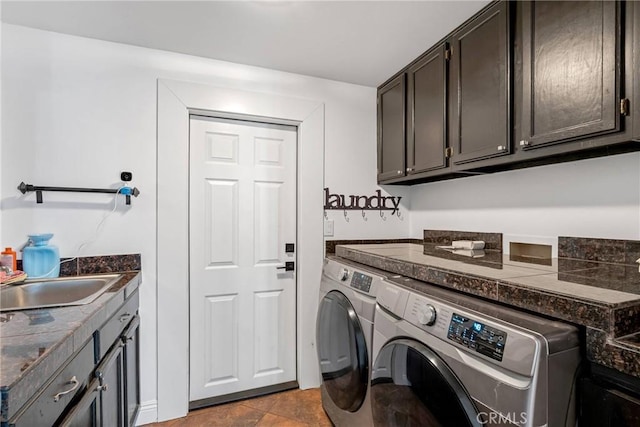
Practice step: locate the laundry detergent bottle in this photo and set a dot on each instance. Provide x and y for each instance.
(39, 258)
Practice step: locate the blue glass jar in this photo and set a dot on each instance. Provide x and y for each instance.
(40, 259)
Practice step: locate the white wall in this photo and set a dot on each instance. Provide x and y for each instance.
(350, 169)
(1, 24)
(589, 198)
(77, 111)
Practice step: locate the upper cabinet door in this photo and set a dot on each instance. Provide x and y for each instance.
(427, 139)
(480, 70)
(391, 129)
(571, 67)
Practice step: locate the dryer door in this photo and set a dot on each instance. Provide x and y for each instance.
(342, 351)
(412, 386)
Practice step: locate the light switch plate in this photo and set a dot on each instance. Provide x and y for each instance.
(328, 227)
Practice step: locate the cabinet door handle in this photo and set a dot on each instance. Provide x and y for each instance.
(73, 381)
(103, 387)
(399, 172)
(125, 317)
(409, 169)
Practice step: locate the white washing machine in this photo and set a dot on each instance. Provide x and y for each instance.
(344, 341)
(451, 360)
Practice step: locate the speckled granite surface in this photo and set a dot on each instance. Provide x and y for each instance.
(330, 245)
(101, 264)
(604, 297)
(601, 250)
(36, 343)
(492, 241)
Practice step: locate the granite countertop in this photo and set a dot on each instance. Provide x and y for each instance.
(36, 343)
(603, 297)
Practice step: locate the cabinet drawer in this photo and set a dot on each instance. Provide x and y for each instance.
(110, 331)
(47, 407)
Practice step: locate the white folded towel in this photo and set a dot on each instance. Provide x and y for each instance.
(468, 244)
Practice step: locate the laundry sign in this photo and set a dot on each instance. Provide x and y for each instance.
(376, 202)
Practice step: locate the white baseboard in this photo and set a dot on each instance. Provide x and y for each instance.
(148, 413)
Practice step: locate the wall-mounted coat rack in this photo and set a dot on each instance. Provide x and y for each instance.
(375, 202)
(126, 191)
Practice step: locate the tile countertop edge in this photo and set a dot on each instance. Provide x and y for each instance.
(583, 311)
(21, 388)
(605, 322)
(613, 353)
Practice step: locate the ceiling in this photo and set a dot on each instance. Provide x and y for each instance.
(361, 42)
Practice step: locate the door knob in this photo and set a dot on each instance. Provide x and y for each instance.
(288, 266)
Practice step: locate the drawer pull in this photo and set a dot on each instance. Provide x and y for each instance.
(125, 318)
(73, 381)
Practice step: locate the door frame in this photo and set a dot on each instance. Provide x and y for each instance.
(176, 101)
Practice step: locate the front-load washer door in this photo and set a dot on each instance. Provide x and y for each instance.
(412, 386)
(342, 351)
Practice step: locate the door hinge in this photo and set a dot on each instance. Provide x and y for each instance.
(447, 53)
(448, 152)
(624, 106)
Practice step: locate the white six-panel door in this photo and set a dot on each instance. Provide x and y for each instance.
(242, 210)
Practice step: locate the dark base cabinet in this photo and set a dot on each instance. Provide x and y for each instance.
(107, 396)
(603, 405)
(113, 397)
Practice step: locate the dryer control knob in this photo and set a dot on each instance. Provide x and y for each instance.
(427, 315)
(344, 274)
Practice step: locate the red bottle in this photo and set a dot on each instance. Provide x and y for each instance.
(14, 262)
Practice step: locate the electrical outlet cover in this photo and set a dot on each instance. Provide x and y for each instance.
(328, 227)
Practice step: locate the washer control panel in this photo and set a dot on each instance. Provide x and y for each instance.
(480, 335)
(361, 281)
(477, 336)
(427, 314)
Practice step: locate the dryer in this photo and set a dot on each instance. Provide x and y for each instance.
(449, 360)
(344, 341)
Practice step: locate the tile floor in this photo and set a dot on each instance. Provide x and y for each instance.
(293, 408)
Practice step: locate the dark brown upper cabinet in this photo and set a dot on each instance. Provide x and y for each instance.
(391, 129)
(520, 84)
(480, 72)
(427, 124)
(571, 59)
